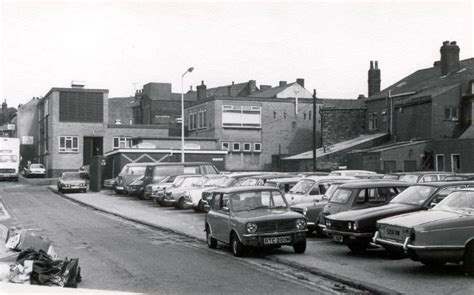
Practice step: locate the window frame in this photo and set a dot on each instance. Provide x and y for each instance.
(241, 123)
(233, 147)
(249, 145)
(73, 149)
(254, 147)
(225, 148)
(125, 139)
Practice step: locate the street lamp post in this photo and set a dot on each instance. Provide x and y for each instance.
(182, 112)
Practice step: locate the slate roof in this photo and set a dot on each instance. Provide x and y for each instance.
(429, 80)
(272, 92)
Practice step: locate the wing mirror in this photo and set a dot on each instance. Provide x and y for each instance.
(433, 204)
(225, 209)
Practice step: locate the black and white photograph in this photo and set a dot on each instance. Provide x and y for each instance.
(237, 147)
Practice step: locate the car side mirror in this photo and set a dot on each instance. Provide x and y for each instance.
(225, 209)
(432, 204)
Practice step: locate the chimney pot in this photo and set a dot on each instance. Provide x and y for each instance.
(371, 64)
(376, 65)
(374, 79)
(453, 43)
(445, 42)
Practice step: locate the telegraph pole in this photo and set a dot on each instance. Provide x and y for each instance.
(314, 130)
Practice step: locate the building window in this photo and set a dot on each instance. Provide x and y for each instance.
(81, 106)
(455, 163)
(451, 113)
(225, 146)
(69, 144)
(236, 146)
(241, 117)
(304, 116)
(247, 147)
(202, 119)
(372, 121)
(257, 147)
(309, 115)
(440, 162)
(384, 116)
(274, 115)
(122, 142)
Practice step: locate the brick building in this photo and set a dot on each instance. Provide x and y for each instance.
(257, 126)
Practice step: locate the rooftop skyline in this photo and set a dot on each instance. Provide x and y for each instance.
(123, 45)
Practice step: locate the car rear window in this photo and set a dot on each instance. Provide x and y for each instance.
(341, 196)
(136, 170)
(411, 178)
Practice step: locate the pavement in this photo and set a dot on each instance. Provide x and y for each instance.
(146, 213)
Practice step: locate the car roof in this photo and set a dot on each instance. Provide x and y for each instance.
(138, 164)
(372, 183)
(238, 189)
(356, 171)
(427, 172)
(327, 177)
(444, 183)
(178, 163)
(466, 189)
(284, 179)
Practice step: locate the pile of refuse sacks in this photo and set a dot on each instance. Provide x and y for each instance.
(31, 259)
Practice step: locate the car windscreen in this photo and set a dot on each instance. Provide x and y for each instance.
(341, 196)
(36, 166)
(330, 191)
(161, 171)
(414, 195)
(390, 176)
(191, 181)
(215, 181)
(71, 175)
(411, 178)
(140, 170)
(302, 187)
(255, 200)
(460, 200)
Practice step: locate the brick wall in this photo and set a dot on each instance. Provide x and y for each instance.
(413, 121)
(463, 147)
(341, 125)
(442, 128)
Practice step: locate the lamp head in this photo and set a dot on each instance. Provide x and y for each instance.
(190, 69)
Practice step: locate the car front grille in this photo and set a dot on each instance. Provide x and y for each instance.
(276, 225)
(339, 225)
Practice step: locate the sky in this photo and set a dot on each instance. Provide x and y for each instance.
(122, 45)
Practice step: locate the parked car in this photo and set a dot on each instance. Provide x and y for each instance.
(127, 175)
(313, 173)
(283, 184)
(360, 194)
(312, 210)
(357, 227)
(424, 176)
(192, 195)
(109, 183)
(71, 181)
(351, 172)
(156, 190)
(443, 234)
(181, 183)
(135, 188)
(35, 170)
(253, 216)
(311, 188)
(157, 171)
(259, 179)
(84, 171)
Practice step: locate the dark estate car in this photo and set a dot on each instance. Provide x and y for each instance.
(361, 194)
(71, 181)
(357, 227)
(253, 216)
(434, 237)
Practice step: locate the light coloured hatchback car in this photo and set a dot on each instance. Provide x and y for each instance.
(35, 170)
(443, 234)
(71, 181)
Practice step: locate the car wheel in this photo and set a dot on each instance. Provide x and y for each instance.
(211, 242)
(468, 260)
(357, 247)
(300, 247)
(394, 253)
(180, 204)
(238, 249)
(433, 263)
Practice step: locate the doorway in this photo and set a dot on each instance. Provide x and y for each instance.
(93, 146)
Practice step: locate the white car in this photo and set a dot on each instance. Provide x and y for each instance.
(192, 196)
(35, 170)
(311, 189)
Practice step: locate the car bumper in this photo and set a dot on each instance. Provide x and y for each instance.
(424, 252)
(190, 204)
(348, 236)
(168, 202)
(119, 188)
(257, 240)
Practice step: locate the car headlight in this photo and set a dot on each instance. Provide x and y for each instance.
(251, 227)
(300, 223)
(305, 210)
(355, 226)
(328, 222)
(349, 225)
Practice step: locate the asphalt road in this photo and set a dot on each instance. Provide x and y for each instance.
(119, 255)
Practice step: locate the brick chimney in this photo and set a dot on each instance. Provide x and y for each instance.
(201, 91)
(449, 57)
(300, 81)
(282, 83)
(252, 86)
(374, 78)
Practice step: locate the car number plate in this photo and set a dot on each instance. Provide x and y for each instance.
(338, 238)
(277, 240)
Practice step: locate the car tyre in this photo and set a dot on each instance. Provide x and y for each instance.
(468, 259)
(180, 204)
(211, 242)
(238, 249)
(357, 247)
(300, 247)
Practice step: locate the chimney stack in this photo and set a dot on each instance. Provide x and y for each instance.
(252, 86)
(282, 83)
(374, 78)
(300, 81)
(449, 57)
(201, 91)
